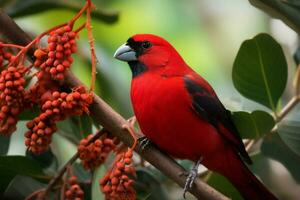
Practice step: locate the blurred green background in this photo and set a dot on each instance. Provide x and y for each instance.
(206, 33)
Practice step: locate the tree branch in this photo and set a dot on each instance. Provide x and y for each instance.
(103, 114)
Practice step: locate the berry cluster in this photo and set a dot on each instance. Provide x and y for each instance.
(52, 63)
(41, 91)
(11, 98)
(56, 59)
(57, 107)
(5, 56)
(45, 90)
(38, 137)
(94, 154)
(117, 183)
(73, 192)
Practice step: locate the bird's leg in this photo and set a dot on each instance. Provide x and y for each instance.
(144, 142)
(192, 175)
(130, 129)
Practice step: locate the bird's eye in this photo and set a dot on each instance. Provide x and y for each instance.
(146, 45)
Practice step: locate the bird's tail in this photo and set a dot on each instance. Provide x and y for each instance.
(243, 179)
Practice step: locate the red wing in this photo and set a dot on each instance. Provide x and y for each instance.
(207, 105)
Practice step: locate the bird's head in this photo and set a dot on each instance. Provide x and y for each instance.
(147, 52)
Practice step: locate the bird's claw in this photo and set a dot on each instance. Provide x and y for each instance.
(190, 181)
(191, 176)
(144, 142)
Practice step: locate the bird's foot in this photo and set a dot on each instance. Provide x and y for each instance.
(144, 142)
(191, 176)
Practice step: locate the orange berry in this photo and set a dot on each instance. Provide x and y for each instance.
(128, 154)
(70, 98)
(60, 68)
(72, 180)
(127, 161)
(60, 76)
(34, 137)
(114, 181)
(53, 71)
(56, 94)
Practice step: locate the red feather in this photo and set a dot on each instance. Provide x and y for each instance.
(188, 122)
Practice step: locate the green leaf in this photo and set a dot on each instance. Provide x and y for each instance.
(69, 129)
(97, 175)
(148, 187)
(75, 128)
(84, 124)
(82, 174)
(5, 180)
(62, 148)
(29, 7)
(21, 186)
(221, 184)
(253, 125)
(273, 147)
(86, 187)
(21, 165)
(10, 166)
(45, 159)
(260, 70)
(4, 144)
(289, 131)
(29, 114)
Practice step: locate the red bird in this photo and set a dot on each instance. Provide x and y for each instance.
(179, 112)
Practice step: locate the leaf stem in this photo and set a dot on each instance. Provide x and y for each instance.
(92, 45)
(287, 108)
(11, 45)
(24, 50)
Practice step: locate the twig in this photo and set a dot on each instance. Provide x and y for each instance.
(295, 99)
(92, 45)
(103, 114)
(287, 108)
(61, 172)
(249, 145)
(58, 176)
(73, 20)
(63, 188)
(11, 45)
